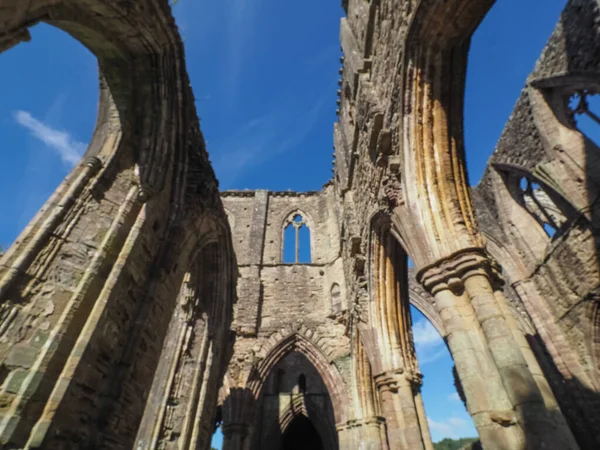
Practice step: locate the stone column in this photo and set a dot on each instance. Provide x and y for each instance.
(507, 405)
(364, 434)
(399, 408)
(424, 426)
(234, 436)
(396, 368)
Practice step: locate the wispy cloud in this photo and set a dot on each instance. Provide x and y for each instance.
(69, 149)
(454, 397)
(259, 140)
(429, 344)
(241, 25)
(451, 427)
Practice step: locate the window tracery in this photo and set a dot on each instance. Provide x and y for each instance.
(584, 112)
(549, 209)
(296, 240)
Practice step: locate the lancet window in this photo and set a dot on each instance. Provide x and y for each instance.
(296, 241)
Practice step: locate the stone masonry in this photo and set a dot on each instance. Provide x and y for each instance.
(141, 308)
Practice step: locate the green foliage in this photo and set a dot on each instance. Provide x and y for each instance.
(453, 444)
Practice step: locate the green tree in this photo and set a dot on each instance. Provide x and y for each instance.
(456, 444)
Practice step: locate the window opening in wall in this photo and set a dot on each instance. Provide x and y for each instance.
(336, 298)
(541, 206)
(217, 437)
(446, 411)
(584, 109)
(279, 377)
(302, 383)
(47, 116)
(296, 241)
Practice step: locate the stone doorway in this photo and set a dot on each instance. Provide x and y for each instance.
(301, 435)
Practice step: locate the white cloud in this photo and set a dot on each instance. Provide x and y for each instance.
(425, 335)
(454, 397)
(452, 427)
(69, 149)
(428, 342)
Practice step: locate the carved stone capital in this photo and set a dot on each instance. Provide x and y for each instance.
(373, 421)
(450, 273)
(390, 380)
(94, 163)
(232, 429)
(415, 379)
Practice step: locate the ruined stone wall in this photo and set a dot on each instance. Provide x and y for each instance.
(88, 289)
(280, 303)
(400, 161)
(554, 272)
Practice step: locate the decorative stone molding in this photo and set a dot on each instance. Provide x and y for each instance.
(450, 273)
(389, 381)
(375, 421)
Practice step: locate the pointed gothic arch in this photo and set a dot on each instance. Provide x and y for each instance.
(298, 408)
(329, 373)
(297, 238)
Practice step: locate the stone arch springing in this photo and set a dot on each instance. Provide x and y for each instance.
(424, 302)
(296, 239)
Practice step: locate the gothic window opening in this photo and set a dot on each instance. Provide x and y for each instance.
(584, 111)
(302, 383)
(542, 206)
(279, 378)
(296, 241)
(336, 298)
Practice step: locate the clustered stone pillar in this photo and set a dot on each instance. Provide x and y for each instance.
(370, 432)
(398, 378)
(234, 436)
(238, 408)
(368, 426)
(504, 388)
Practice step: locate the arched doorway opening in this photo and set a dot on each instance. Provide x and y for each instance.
(296, 410)
(447, 415)
(301, 435)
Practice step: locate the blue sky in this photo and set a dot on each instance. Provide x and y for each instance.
(264, 74)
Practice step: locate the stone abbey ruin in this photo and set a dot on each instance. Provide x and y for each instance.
(141, 305)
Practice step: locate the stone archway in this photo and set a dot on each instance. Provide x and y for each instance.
(295, 397)
(301, 435)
